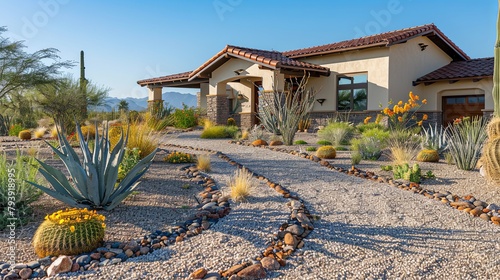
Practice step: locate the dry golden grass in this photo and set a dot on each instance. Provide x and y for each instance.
(40, 132)
(403, 153)
(53, 132)
(241, 185)
(206, 123)
(245, 134)
(203, 163)
(141, 137)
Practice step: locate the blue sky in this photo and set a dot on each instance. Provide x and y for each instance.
(125, 41)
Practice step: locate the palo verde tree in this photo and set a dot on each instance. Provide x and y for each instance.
(22, 70)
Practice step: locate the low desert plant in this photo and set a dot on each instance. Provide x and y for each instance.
(258, 132)
(244, 135)
(94, 176)
(356, 158)
(69, 232)
(13, 177)
(25, 134)
(300, 142)
(428, 155)
(179, 157)
(337, 133)
(241, 185)
(448, 158)
(434, 138)
(404, 171)
(465, 142)
(15, 129)
(326, 152)
(324, 143)
(219, 131)
(362, 127)
(231, 122)
(40, 132)
(203, 162)
(371, 143)
(186, 117)
(311, 149)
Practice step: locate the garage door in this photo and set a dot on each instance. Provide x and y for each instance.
(461, 106)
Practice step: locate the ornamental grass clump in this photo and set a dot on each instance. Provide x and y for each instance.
(40, 132)
(371, 143)
(203, 163)
(219, 131)
(337, 133)
(94, 176)
(465, 141)
(241, 185)
(69, 232)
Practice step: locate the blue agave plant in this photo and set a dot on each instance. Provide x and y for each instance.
(93, 179)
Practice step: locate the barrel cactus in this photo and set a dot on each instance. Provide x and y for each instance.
(25, 135)
(69, 232)
(428, 155)
(231, 122)
(326, 152)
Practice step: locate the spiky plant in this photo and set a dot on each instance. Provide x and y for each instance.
(326, 152)
(93, 179)
(428, 155)
(435, 138)
(465, 142)
(69, 232)
(284, 110)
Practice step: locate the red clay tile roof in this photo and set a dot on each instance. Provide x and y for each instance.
(169, 78)
(271, 59)
(385, 39)
(459, 70)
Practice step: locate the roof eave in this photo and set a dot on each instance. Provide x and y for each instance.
(417, 82)
(381, 44)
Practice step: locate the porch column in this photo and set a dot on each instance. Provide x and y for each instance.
(154, 96)
(202, 96)
(218, 104)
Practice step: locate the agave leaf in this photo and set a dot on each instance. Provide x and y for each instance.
(66, 199)
(111, 172)
(143, 164)
(62, 185)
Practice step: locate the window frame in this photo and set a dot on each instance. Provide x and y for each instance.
(351, 87)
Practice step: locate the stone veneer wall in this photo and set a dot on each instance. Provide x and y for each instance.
(218, 109)
(246, 120)
(198, 100)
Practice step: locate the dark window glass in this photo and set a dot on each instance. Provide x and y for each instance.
(352, 92)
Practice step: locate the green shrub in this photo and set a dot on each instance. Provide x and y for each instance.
(130, 159)
(300, 142)
(324, 143)
(465, 142)
(219, 131)
(185, 117)
(311, 149)
(15, 129)
(13, 176)
(371, 143)
(341, 148)
(179, 157)
(337, 133)
(364, 127)
(356, 158)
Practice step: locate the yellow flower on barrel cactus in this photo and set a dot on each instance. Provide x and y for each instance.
(69, 232)
(428, 155)
(326, 152)
(25, 135)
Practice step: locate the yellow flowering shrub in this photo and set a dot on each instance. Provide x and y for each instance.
(179, 157)
(401, 113)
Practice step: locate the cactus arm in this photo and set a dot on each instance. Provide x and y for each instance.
(496, 69)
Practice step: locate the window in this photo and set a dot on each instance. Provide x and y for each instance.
(352, 92)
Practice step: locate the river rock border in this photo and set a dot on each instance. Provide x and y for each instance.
(489, 212)
(213, 206)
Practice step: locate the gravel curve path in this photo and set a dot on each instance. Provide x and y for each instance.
(366, 230)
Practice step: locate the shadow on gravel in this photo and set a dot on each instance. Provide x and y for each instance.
(390, 239)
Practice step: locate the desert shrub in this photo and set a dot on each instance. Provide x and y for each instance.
(257, 133)
(428, 156)
(371, 143)
(326, 152)
(25, 134)
(179, 157)
(356, 158)
(465, 142)
(244, 134)
(324, 142)
(219, 131)
(311, 149)
(40, 132)
(13, 176)
(130, 159)
(15, 129)
(337, 133)
(231, 122)
(300, 142)
(203, 163)
(185, 117)
(362, 127)
(241, 185)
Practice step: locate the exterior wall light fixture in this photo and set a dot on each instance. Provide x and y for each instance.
(320, 101)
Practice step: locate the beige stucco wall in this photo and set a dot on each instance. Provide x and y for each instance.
(434, 92)
(408, 62)
(374, 61)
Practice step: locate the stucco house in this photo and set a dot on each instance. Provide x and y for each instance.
(353, 76)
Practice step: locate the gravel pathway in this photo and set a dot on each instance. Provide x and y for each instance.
(368, 230)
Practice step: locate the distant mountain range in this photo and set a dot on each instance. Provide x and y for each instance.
(175, 99)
